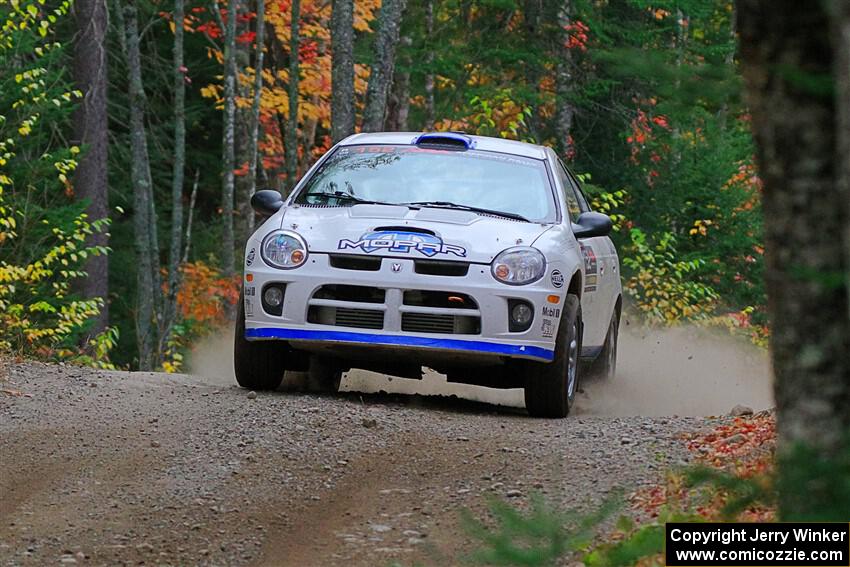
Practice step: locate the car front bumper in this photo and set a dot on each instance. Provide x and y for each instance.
(393, 323)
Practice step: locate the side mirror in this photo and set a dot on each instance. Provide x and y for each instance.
(592, 224)
(266, 202)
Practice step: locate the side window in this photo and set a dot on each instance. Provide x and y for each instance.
(573, 204)
(582, 200)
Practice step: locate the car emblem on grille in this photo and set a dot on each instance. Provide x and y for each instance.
(396, 267)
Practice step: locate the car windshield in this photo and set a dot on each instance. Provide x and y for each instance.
(489, 181)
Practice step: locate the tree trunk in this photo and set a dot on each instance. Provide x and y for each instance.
(189, 216)
(229, 142)
(177, 176)
(787, 62)
(430, 111)
(532, 13)
(91, 126)
(398, 107)
(386, 41)
(254, 135)
(841, 40)
(342, 73)
(564, 84)
(291, 135)
(142, 192)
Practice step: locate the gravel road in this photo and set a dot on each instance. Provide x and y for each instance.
(142, 468)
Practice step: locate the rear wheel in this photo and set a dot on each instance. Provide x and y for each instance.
(258, 365)
(550, 388)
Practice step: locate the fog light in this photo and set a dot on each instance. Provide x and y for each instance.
(273, 299)
(273, 296)
(521, 314)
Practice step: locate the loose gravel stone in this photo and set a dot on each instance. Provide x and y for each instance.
(740, 410)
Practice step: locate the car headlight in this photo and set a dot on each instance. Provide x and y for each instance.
(519, 266)
(284, 249)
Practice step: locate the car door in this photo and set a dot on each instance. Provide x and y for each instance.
(597, 252)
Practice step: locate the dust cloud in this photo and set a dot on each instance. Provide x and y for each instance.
(685, 371)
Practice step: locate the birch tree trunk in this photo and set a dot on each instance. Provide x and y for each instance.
(291, 136)
(91, 130)
(386, 41)
(228, 142)
(177, 176)
(430, 111)
(789, 65)
(142, 191)
(342, 72)
(254, 134)
(565, 111)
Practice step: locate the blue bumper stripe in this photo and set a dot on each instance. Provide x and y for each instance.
(398, 340)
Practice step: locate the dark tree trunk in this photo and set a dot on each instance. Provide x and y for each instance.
(91, 131)
(430, 111)
(398, 107)
(291, 134)
(177, 175)
(144, 221)
(788, 63)
(841, 39)
(532, 11)
(228, 183)
(564, 83)
(386, 41)
(342, 73)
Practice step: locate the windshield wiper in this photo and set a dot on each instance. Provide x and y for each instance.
(343, 196)
(450, 205)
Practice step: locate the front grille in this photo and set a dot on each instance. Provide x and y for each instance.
(439, 299)
(345, 317)
(445, 324)
(354, 293)
(353, 262)
(439, 268)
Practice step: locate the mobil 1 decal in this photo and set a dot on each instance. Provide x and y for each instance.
(591, 268)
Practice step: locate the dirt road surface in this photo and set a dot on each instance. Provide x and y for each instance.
(119, 468)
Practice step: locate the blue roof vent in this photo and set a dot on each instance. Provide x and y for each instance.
(445, 141)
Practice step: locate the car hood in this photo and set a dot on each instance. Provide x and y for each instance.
(429, 233)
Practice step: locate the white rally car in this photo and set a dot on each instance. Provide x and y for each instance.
(477, 257)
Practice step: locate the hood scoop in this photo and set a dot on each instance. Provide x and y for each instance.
(405, 229)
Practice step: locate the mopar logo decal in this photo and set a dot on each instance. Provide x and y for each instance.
(402, 243)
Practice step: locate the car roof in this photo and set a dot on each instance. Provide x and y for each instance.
(485, 143)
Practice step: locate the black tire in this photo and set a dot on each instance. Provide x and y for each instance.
(259, 365)
(550, 388)
(324, 376)
(605, 365)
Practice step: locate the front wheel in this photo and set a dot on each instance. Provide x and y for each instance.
(550, 388)
(605, 365)
(258, 365)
